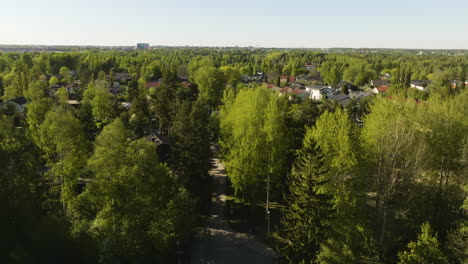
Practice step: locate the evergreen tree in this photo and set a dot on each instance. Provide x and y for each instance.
(305, 220)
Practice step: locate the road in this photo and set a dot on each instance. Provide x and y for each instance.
(219, 243)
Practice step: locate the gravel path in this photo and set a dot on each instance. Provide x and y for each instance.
(219, 243)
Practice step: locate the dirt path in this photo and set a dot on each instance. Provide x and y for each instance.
(219, 243)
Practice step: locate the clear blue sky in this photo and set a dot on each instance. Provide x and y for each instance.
(295, 23)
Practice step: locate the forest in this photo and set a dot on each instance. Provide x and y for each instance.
(105, 155)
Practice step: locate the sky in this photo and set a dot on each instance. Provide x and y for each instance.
(417, 24)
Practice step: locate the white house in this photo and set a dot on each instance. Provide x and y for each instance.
(315, 92)
(420, 84)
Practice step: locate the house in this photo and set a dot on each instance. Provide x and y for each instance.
(310, 66)
(377, 83)
(121, 76)
(259, 77)
(163, 145)
(458, 84)
(342, 99)
(186, 84)
(381, 89)
(285, 79)
(126, 105)
(386, 76)
(74, 103)
(420, 84)
(152, 84)
(359, 95)
(315, 92)
(17, 104)
(285, 89)
(308, 78)
(272, 87)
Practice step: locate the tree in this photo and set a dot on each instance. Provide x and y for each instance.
(65, 148)
(104, 105)
(231, 75)
(62, 95)
(210, 83)
(139, 115)
(162, 104)
(66, 75)
(425, 250)
(53, 80)
(251, 128)
(349, 239)
(132, 206)
(306, 218)
(191, 146)
(395, 160)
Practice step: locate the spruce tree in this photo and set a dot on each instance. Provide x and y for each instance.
(305, 219)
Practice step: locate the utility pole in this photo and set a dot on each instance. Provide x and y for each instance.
(268, 205)
(179, 253)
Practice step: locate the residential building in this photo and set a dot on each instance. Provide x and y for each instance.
(315, 92)
(420, 84)
(377, 83)
(342, 99)
(152, 84)
(381, 89)
(310, 66)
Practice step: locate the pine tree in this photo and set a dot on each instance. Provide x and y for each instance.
(305, 220)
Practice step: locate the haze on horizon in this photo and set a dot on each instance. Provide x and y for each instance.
(418, 24)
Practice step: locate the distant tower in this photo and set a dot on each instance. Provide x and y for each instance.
(142, 46)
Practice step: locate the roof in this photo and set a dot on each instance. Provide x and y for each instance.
(314, 87)
(359, 95)
(158, 139)
(383, 89)
(186, 84)
(154, 84)
(420, 82)
(285, 89)
(73, 102)
(342, 99)
(380, 83)
(18, 100)
(121, 75)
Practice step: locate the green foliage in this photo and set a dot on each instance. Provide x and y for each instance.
(426, 250)
(132, 205)
(62, 95)
(53, 80)
(254, 137)
(66, 75)
(64, 146)
(103, 104)
(191, 148)
(210, 83)
(306, 219)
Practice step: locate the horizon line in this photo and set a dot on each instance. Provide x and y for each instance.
(223, 46)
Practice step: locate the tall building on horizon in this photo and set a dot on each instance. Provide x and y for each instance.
(142, 46)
